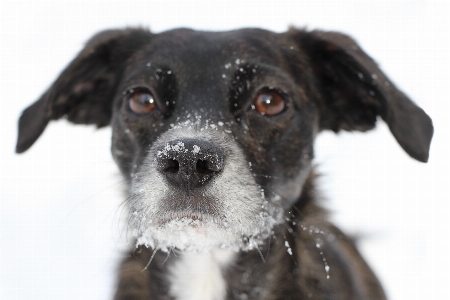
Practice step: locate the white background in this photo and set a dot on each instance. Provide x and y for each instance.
(59, 202)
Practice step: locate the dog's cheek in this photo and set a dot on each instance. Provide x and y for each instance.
(122, 149)
(294, 153)
(262, 134)
(290, 172)
(280, 142)
(294, 148)
(130, 142)
(132, 138)
(282, 151)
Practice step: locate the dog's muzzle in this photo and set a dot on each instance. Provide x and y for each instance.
(195, 192)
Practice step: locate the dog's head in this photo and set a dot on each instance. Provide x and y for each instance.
(214, 132)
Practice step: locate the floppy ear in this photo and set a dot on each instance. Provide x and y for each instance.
(354, 91)
(85, 89)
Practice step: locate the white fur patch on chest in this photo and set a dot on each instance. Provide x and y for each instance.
(199, 276)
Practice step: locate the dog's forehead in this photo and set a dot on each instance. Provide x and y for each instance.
(200, 55)
(192, 46)
(205, 64)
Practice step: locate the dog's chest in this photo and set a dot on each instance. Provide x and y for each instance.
(199, 276)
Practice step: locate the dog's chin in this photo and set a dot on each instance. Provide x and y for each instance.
(197, 235)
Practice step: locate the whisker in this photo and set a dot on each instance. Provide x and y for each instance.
(268, 246)
(167, 257)
(151, 258)
(140, 220)
(121, 207)
(260, 254)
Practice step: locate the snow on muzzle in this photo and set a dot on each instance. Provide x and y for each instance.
(195, 192)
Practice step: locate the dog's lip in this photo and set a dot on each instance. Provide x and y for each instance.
(179, 204)
(196, 218)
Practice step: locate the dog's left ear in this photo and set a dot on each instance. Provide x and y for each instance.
(85, 89)
(353, 91)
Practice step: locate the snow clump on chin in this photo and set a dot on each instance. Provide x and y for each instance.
(197, 236)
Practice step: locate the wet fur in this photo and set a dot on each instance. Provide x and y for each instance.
(331, 84)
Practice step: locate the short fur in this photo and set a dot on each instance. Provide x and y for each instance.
(253, 192)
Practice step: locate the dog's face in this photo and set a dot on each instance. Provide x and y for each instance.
(215, 137)
(214, 132)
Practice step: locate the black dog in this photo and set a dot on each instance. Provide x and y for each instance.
(214, 134)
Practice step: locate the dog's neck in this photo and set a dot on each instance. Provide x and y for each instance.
(200, 276)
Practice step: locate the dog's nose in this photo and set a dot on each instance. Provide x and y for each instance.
(190, 163)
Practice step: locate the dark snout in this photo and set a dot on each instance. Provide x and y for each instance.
(190, 163)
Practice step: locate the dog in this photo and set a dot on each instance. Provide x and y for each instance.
(213, 133)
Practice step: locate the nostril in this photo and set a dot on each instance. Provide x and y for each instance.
(203, 167)
(172, 166)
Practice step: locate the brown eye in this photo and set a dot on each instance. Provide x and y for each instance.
(269, 103)
(142, 102)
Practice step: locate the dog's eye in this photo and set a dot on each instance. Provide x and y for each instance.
(269, 103)
(142, 102)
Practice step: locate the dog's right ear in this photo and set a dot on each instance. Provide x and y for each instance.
(85, 89)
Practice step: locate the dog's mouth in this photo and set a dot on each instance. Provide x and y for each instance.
(185, 218)
(198, 224)
(186, 231)
(196, 206)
